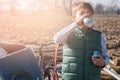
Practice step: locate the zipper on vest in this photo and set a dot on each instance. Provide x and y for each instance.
(84, 56)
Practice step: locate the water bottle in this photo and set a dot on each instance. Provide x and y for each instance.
(89, 22)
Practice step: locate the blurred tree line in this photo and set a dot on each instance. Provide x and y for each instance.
(107, 9)
(98, 8)
(38, 5)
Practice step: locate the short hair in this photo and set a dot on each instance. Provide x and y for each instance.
(76, 6)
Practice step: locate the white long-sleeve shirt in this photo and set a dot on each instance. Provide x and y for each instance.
(61, 37)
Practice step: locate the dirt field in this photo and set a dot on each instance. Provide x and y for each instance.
(38, 28)
(33, 28)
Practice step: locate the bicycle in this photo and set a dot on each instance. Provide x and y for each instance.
(47, 65)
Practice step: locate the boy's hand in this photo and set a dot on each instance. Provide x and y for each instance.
(79, 20)
(99, 61)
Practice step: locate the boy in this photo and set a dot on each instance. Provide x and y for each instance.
(81, 41)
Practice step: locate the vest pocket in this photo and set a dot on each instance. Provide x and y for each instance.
(94, 77)
(94, 70)
(70, 76)
(70, 68)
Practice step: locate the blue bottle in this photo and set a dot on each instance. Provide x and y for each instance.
(96, 54)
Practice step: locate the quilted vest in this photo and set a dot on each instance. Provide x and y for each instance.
(77, 53)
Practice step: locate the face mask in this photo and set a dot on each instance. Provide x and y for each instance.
(89, 22)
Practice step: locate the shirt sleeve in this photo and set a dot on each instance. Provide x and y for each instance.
(61, 36)
(104, 50)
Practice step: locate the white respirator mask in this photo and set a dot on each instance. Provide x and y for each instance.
(89, 22)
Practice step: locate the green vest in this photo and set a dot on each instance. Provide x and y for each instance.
(77, 53)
